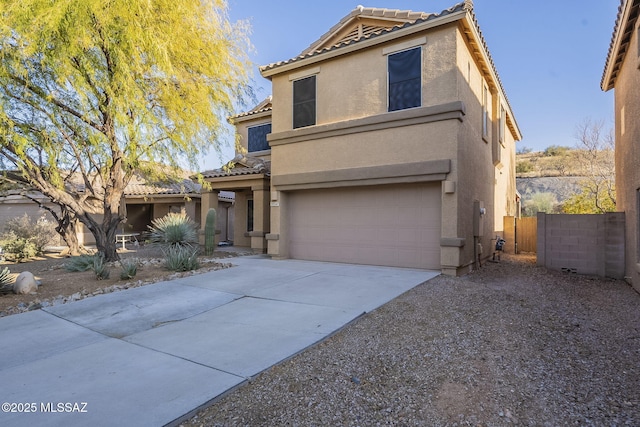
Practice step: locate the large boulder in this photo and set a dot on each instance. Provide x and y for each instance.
(25, 283)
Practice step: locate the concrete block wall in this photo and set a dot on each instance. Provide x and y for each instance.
(582, 244)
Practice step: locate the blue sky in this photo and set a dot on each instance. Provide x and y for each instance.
(550, 54)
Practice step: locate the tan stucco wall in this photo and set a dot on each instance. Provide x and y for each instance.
(487, 167)
(627, 111)
(355, 85)
(354, 133)
(460, 141)
(388, 146)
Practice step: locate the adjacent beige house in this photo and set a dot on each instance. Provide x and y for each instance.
(622, 73)
(388, 141)
(144, 202)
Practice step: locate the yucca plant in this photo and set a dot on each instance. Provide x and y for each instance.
(129, 269)
(174, 229)
(5, 276)
(181, 258)
(6, 282)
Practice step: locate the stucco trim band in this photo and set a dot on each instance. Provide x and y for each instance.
(454, 242)
(432, 170)
(413, 116)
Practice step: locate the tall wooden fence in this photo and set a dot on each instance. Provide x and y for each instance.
(521, 234)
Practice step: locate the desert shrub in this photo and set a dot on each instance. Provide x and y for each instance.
(23, 239)
(524, 167)
(172, 230)
(540, 202)
(181, 258)
(79, 263)
(556, 150)
(41, 233)
(129, 269)
(18, 248)
(100, 268)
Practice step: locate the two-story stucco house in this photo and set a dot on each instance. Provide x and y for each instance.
(388, 141)
(622, 73)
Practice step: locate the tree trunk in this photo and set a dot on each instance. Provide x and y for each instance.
(107, 245)
(105, 234)
(67, 230)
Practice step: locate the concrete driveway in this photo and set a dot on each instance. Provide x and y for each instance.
(151, 355)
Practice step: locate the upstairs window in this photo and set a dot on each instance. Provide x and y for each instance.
(304, 102)
(405, 79)
(257, 136)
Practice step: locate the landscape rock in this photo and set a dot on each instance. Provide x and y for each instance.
(25, 283)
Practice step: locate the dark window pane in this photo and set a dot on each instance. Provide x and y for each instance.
(404, 95)
(250, 215)
(258, 137)
(304, 102)
(405, 83)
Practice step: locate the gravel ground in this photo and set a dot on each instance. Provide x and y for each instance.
(510, 344)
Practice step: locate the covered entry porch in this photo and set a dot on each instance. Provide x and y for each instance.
(249, 180)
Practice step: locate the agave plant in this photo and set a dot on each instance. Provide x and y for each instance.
(79, 263)
(129, 269)
(100, 267)
(181, 258)
(174, 230)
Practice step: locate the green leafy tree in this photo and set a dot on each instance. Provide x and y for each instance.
(590, 200)
(92, 91)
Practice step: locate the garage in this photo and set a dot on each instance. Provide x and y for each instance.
(392, 225)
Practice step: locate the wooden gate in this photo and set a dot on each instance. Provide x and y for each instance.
(521, 234)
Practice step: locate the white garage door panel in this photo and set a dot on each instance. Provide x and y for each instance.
(381, 225)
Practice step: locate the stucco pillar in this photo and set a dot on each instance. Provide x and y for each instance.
(274, 244)
(209, 200)
(240, 233)
(261, 223)
(190, 209)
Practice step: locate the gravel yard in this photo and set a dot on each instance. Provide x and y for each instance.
(510, 344)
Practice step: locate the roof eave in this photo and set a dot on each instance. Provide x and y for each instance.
(250, 116)
(293, 64)
(490, 70)
(615, 56)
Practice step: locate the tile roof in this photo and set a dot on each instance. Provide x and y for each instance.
(406, 17)
(262, 107)
(623, 29)
(174, 188)
(240, 165)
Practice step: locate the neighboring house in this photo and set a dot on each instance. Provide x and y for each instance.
(388, 141)
(622, 74)
(144, 202)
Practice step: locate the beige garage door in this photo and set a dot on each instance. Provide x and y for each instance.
(381, 225)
